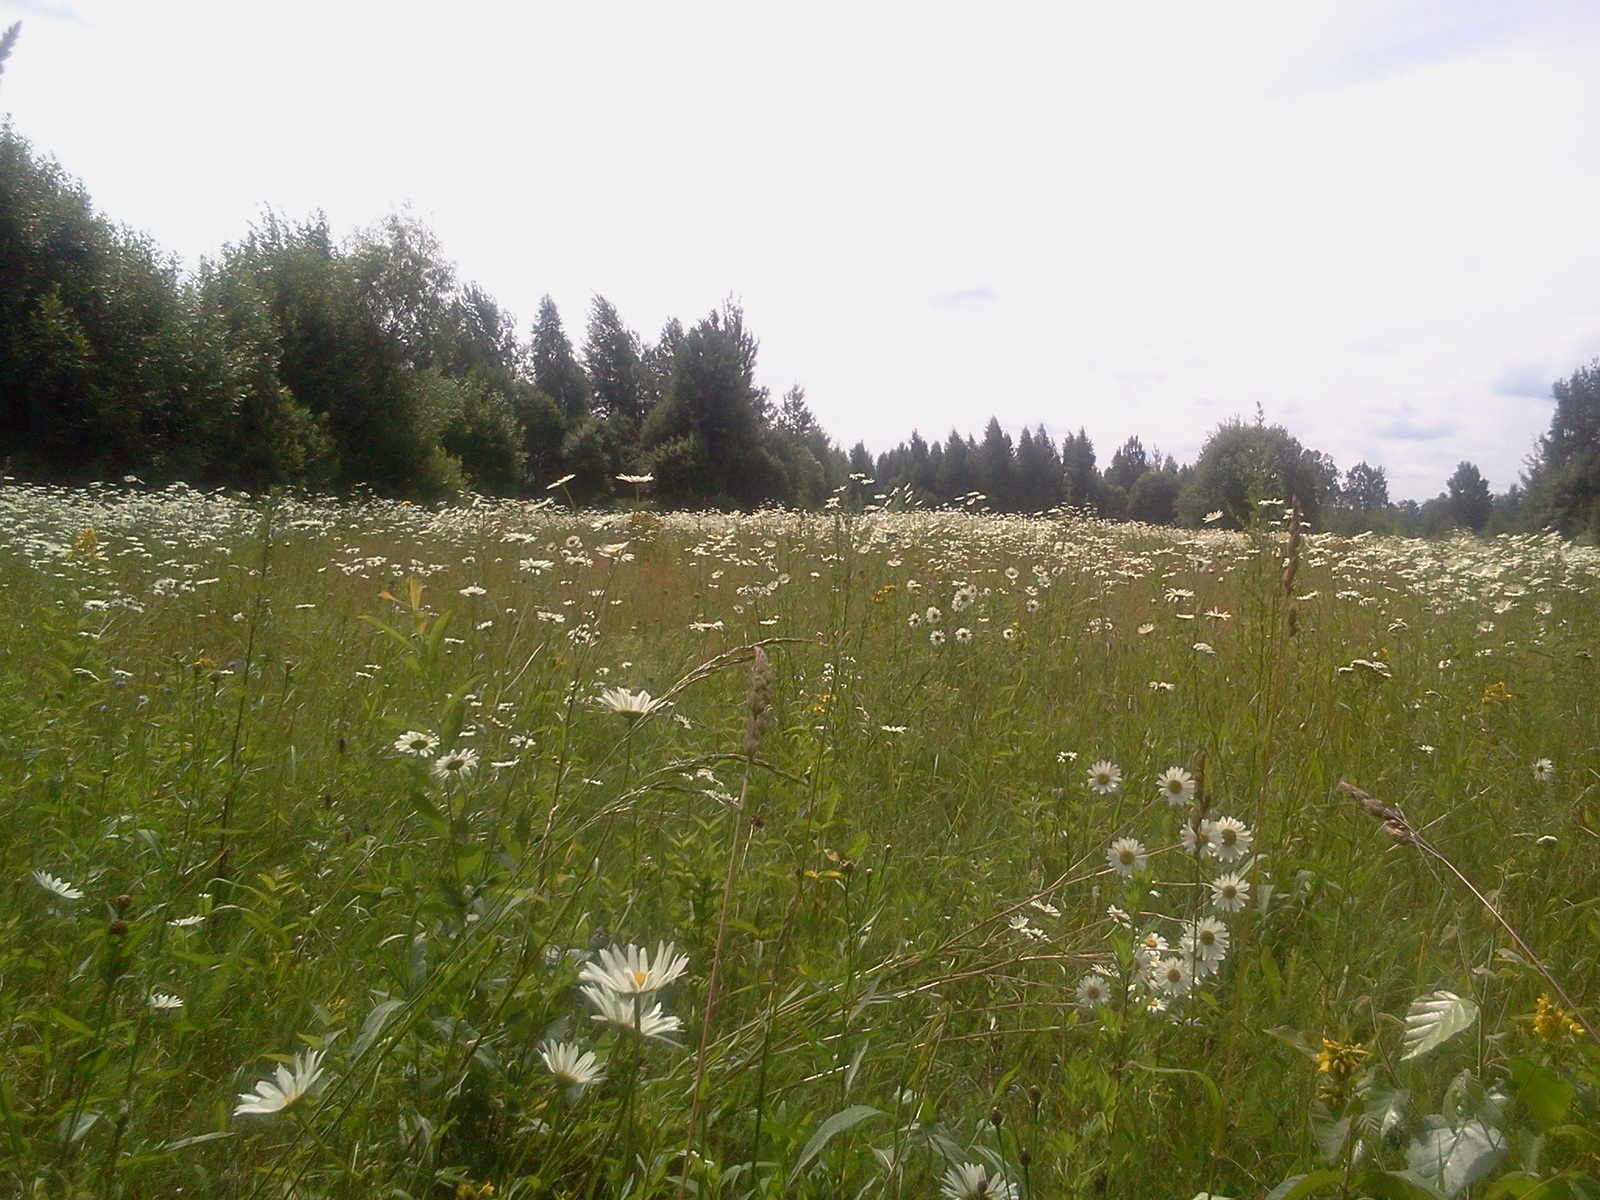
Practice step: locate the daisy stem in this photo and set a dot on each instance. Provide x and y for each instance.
(714, 975)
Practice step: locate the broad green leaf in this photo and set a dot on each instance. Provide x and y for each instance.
(1296, 1187)
(1544, 1093)
(1393, 1185)
(1453, 1159)
(1434, 1019)
(845, 1119)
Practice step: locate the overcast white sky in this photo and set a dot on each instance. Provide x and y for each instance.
(1374, 218)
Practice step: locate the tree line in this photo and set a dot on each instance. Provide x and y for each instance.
(294, 359)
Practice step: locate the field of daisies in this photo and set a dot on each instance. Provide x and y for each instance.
(500, 850)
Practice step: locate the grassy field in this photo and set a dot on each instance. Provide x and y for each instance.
(1013, 864)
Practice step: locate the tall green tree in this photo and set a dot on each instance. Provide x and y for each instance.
(1470, 501)
(614, 358)
(1563, 479)
(1081, 483)
(709, 437)
(556, 372)
(1242, 464)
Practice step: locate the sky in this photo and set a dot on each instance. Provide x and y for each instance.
(1371, 219)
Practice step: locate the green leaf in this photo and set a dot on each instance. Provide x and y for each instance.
(373, 1026)
(1393, 1185)
(1453, 1159)
(1306, 1043)
(1544, 1093)
(1297, 1186)
(841, 1121)
(1434, 1019)
(1331, 1131)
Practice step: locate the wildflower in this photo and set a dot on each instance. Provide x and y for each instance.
(1204, 648)
(1127, 856)
(1093, 991)
(457, 764)
(936, 638)
(914, 620)
(1105, 777)
(632, 705)
(473, 589)
(284, 1088)
(627, 1014)
(571, 1064)
(416, 743)
(1033, 606)
(636, 480)
(1551, 1022)
(1230, 839)
(562, 482)
(1230, 893)
(1119, 916)
(963, 598)
(1212, 517)
(1171, 976)
(1339, 1059)
(972, 1181)
(1177, 786)
(1197, 839)
(964, 636)
(1066, 756)
(58, 887)
(1206, 940)
(162, 1002)
(934, 615)
(1049, 910)
(186, 922)
(1544, 770)
(630, 971)
(1147, 627)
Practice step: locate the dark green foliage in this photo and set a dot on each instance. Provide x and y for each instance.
(1366, 488)
(556, 372)
(709, 438)
(1241, 465)
(1471, 503)
(1081, 484)
(615, 361)
(96, 374)
(1563, 481)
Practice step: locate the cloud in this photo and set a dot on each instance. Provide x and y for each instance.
(1523, 381)
(1403, 429)
(1381, 40)
(55, 10)
(965, 299)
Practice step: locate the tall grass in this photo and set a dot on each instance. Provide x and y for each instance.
(902, 885)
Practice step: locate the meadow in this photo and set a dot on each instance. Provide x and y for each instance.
(503, 850)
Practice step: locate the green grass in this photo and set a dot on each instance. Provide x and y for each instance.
(199, 708)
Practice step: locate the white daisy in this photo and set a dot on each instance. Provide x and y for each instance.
(1544, 770)
(1230, 839)
(571, 1064)
(1127, 856)
(632, 705)
(934, 615)
(1198, 839)
(284, 1088)
(59, 887)
(1105, 777)
(1093, 990)
(416, 743)
(1171, 976)
(962, 600)
(964, 636)
(162, 1002)
(936, 638)
(914, 620)
(1206, 940)
(457, 764)
(1230, 893)
(972, 1181)
(630, 971)
(1176, 786)
(628, 1014)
